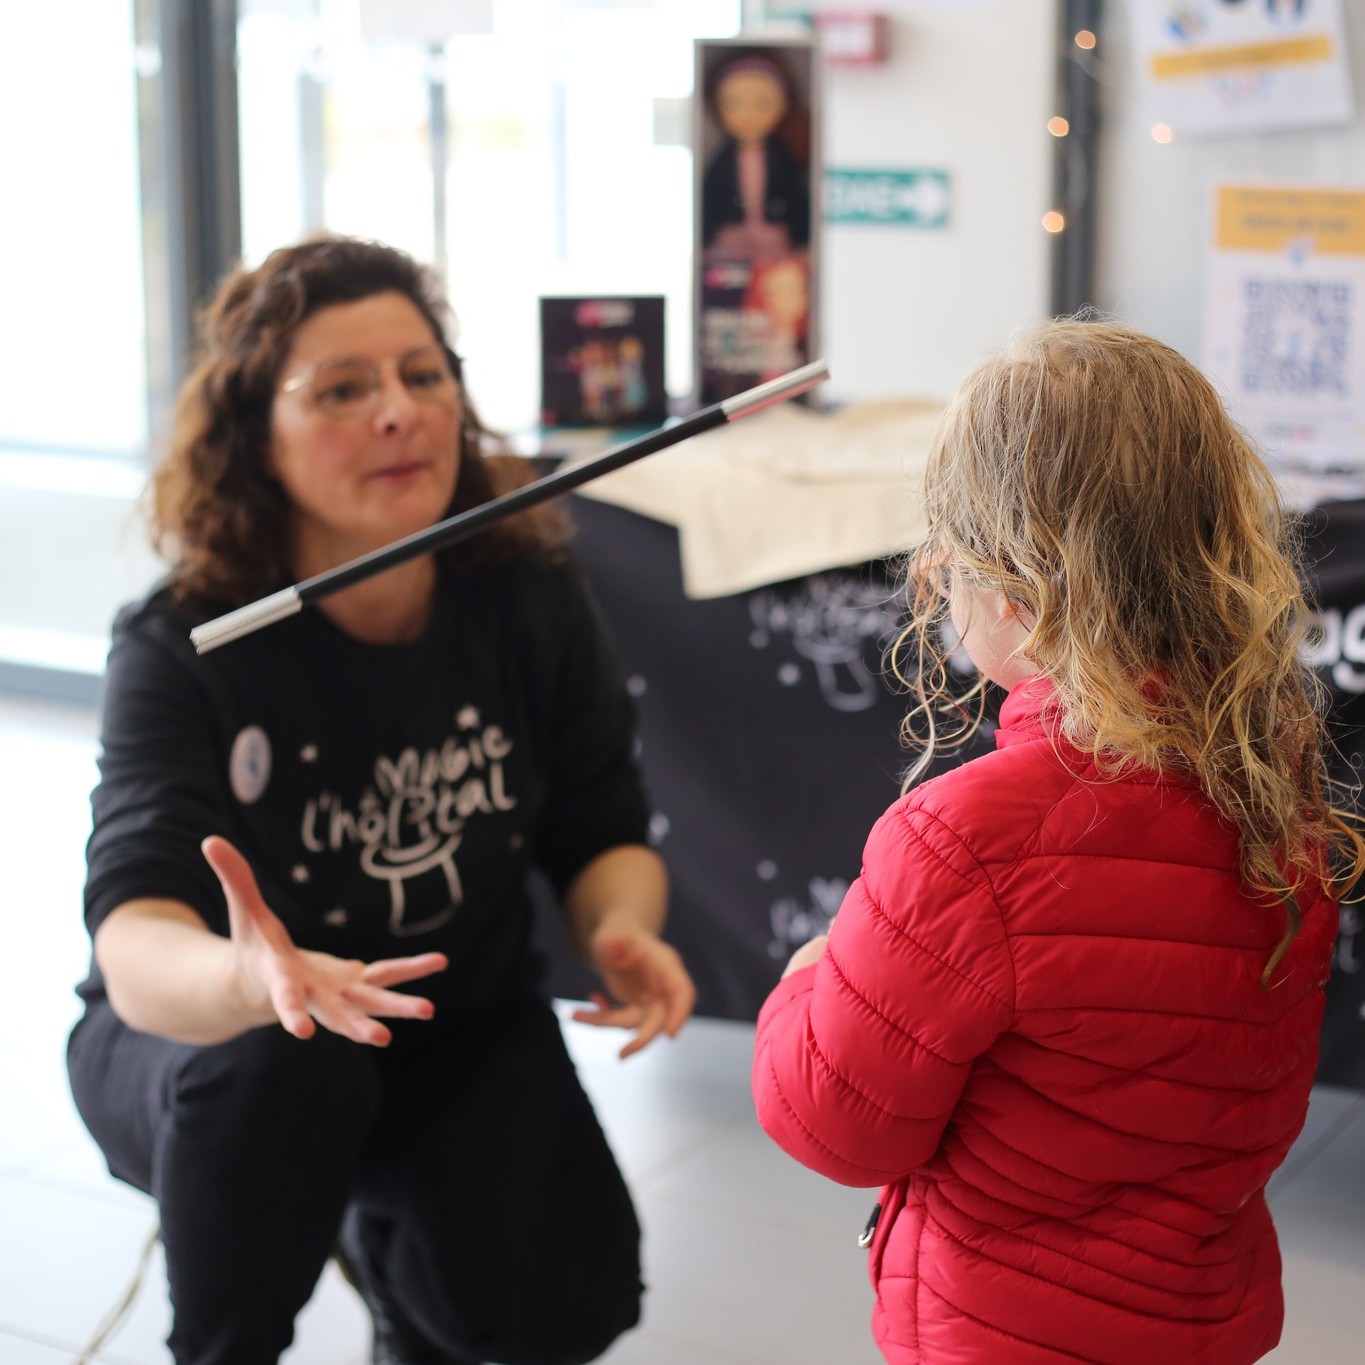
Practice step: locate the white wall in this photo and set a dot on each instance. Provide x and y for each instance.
(968, 89)
(1155, 201)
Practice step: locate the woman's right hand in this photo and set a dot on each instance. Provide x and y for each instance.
(301, 988)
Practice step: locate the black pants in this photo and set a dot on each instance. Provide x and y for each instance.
(508, 1232)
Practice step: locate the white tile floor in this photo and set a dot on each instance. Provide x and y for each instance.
(751, 1260)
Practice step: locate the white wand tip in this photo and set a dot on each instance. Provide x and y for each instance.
(246, 619)
(776, 390)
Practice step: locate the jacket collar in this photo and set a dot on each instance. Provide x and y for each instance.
(1028, 713)
(1032, 712)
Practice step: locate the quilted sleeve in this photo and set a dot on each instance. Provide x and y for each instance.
(162, 787)
(860, 1059)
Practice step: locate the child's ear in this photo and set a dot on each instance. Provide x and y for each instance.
(1015, 613)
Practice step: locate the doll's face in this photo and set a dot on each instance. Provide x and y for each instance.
(783, 291)
(750, 105)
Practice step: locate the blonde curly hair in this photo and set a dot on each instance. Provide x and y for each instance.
(1091, 475)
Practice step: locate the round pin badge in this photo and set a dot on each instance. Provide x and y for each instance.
(249, 765)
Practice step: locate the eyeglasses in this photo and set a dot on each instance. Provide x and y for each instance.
(346, 390)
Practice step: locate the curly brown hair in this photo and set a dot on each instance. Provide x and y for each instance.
(216, 512)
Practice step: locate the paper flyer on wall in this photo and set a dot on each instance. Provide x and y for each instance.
(1209, 66)
(1284, 329)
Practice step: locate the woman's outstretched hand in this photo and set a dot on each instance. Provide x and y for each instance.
(303, 989)
(648, 988)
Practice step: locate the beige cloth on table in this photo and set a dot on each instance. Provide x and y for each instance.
(783, 493)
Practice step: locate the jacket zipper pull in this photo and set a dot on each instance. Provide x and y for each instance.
(865, 1236)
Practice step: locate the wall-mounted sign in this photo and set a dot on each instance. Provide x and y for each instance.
(1284, 331)
(1231, 68)
(898, 198)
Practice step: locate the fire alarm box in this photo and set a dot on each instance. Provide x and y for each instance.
(854, 39)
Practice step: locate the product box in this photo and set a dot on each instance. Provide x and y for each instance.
(602, 361)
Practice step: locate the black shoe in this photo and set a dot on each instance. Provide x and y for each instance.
(396, 1340)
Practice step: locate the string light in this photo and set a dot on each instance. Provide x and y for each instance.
(1161, 132)
(1085, 39)
(1053, 221)
(1058, 126)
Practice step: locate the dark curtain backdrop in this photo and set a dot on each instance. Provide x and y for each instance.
(1334, 551)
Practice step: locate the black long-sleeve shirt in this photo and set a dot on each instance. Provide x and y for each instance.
(390, 799)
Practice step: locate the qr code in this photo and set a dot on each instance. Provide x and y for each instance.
(1296, 337)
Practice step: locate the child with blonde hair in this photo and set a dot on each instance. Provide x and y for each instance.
(1068, 1014)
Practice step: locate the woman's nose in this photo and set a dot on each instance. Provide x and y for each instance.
(396, 406)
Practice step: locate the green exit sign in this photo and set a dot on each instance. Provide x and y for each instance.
(899, 198)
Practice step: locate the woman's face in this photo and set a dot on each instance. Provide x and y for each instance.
(389, 466)
(750, 105)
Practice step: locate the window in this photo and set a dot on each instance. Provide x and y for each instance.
(565, 168)
(561, 137)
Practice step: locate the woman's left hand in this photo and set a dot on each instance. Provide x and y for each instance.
(648, 988)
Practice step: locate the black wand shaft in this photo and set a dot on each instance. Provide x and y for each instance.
(290, 600)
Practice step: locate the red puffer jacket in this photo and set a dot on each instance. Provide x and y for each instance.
(1039, 1024)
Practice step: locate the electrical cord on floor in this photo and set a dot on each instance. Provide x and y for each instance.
(114, 1318)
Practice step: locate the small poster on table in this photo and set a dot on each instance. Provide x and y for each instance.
(757, 168)
(602, 361)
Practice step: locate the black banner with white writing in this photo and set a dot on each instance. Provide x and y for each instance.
(769, 738)
(1334, 552)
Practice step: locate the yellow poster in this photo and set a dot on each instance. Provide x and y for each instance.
(1285, 329)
